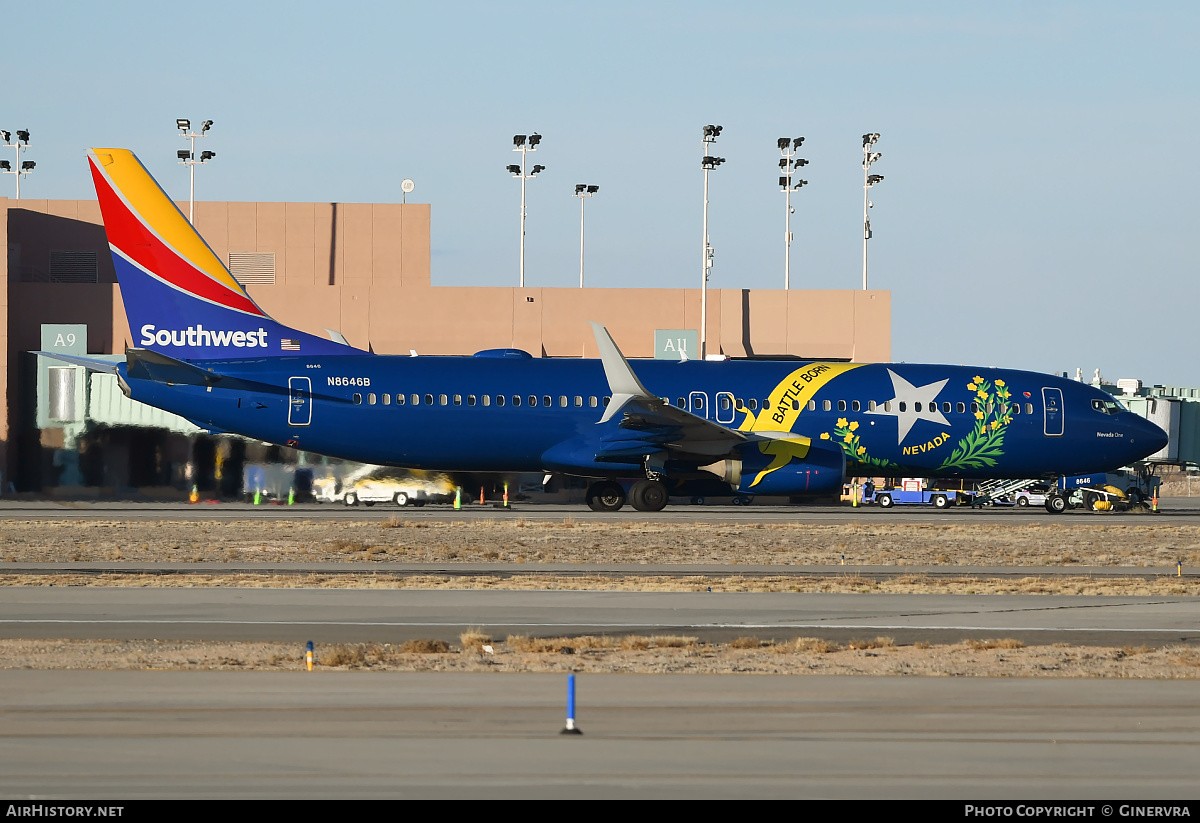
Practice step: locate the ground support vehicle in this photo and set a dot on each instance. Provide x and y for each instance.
(938, 498)
(1107, 491)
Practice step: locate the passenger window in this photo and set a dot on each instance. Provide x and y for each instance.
(974, 407)
(855, 405)
(1029, 408)
(547, 400)
(916, 407)
(946, 406)
(487, 400)
(442, 399)
(562, 401)
(826, 406)
(578, 401)
(962, 407)
(887, 405)
(681, 402)
(607, 399)
(753, 404)
(386, 398)
(458, 399)
(593, 402)
(795, 405)
(737, 404)
(357, 399)
(499, 400)
(470, 400)
(371, 399)
(1016, 408)
(699, 403)
(812, 405)
(399, 400)
(870, 405)
(533, 399)
(516, 400)
(841, 405)
(723, 402)
(429, 400)
(903, 406)
(416, 399)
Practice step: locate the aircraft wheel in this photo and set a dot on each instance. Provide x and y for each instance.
(401, 499)
(1056, 504)
(351, 499)
(1134, 496)
(605, 496)
(648, 496)
(1022, 502)
(940, 501)
(884, 500)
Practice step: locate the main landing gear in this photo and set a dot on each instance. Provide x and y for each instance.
(645, 496)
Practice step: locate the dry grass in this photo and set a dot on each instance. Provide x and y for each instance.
(876, 643)
(1144, 541)
(995, 643)
(424, 647)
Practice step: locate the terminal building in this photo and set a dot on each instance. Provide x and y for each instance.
(361, 269)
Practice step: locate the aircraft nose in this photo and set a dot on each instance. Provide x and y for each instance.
(1148, 437)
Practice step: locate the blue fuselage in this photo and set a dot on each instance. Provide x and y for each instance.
(526, 414)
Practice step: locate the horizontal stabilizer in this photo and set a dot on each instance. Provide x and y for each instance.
(90, 363)
(151, 365)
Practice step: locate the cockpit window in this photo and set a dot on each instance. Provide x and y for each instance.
(1107, 406)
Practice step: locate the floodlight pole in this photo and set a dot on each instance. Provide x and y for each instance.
(522, 144)
(869, 180)
(17, 169)
(191, 162)
(710, 135)
(582, 191)
(788, 148)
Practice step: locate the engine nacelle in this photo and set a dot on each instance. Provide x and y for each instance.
(794, 466)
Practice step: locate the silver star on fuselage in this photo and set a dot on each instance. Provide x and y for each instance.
(911, 396)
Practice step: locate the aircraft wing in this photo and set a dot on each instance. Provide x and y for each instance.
(649, 423)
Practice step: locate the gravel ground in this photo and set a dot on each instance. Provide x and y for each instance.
(520, 542)
(873, 656)
(567, 541)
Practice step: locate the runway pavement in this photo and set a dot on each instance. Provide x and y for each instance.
(391, 615)
(1176, 511)
(129, 735)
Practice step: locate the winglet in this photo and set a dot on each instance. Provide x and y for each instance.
(622, 382)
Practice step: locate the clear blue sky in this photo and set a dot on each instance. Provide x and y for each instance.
(1039, 157)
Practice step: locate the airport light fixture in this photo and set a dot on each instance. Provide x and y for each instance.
(187, 157)
(524, 144)
(22, 167)
(788, 164)
(707, 163)
(869, 181)
(583, 191)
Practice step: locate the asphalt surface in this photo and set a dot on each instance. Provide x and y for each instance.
(1171, 510)
(395, 615)
(129, 735)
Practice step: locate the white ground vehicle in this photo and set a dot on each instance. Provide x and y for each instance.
(369, 491)
(1030, 497)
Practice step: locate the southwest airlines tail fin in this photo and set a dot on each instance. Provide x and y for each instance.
(179, 297)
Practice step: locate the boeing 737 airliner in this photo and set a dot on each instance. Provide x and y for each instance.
(207, 352)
